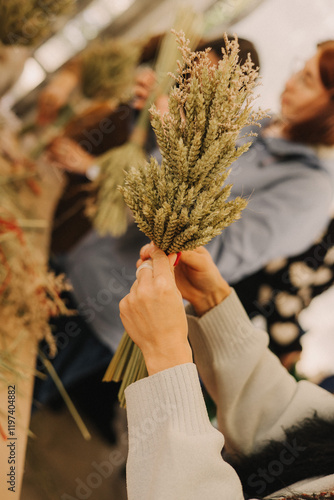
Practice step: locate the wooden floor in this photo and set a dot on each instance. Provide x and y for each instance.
(61, 465)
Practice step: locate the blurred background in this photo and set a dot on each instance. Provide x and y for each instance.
(284, 33)
(281, 30)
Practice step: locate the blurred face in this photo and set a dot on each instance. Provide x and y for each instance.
(304, 95)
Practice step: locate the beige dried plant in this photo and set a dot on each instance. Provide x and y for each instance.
(183, 203)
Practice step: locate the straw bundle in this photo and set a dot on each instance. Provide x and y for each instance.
(182, 204)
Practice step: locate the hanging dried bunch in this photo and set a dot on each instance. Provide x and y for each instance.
(27, 22)
(182, 204)
(108, 69)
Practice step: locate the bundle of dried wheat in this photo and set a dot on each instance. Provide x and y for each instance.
(182, 204)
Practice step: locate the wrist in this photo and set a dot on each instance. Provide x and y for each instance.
(157, 360)
(211, 300)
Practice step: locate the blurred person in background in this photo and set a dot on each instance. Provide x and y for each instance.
(287, 284)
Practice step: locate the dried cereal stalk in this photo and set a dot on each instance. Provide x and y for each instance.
(182, 204)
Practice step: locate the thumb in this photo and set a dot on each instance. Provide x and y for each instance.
(172, 259)
(162, 264)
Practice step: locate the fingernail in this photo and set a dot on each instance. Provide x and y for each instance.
(178, 257)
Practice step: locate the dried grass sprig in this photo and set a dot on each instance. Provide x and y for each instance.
(27, 22)
(183, 203)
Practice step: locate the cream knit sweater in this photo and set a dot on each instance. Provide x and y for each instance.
(174, 452)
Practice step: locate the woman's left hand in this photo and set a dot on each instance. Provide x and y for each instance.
(154, 317)
(67, 154)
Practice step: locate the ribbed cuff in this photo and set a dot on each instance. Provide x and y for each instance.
(169, 399)
(93, 172)
(227, 328)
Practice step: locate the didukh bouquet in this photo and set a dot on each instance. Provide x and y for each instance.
(183, 203)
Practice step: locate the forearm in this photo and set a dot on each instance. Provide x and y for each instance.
(68, 79)
(174, 452)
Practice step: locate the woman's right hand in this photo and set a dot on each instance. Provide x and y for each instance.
(198, 279)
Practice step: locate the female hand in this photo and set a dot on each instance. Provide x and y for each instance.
(69, 155)
(198, 279)
(154, 317)
(144, 86)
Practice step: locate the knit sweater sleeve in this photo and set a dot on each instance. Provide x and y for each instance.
(256, 397)
(174, 452)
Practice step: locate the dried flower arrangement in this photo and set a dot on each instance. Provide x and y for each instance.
(107, 209)
(182, 204)
(27, 22)
(29, 294)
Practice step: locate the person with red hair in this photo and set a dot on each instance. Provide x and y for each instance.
(288, 175)
(286, 285)
(309, 120)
